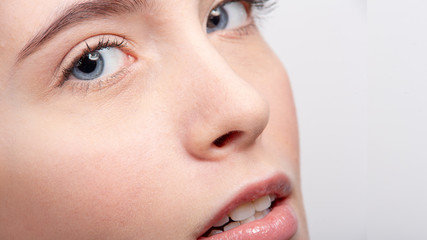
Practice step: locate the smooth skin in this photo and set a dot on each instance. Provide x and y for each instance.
(133, 157)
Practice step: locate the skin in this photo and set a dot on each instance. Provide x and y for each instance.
(135, 159)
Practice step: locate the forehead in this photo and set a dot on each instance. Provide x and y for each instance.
(22, 19)
(26, 16)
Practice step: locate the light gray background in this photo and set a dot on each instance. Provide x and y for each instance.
(361, 94)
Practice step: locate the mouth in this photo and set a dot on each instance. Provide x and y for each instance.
(261, 211)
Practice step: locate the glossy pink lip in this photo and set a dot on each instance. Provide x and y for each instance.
(279, 224)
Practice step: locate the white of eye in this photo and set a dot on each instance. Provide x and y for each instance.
(113, 60)
(237, 14)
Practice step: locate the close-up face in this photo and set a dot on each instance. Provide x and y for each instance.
(145, 119)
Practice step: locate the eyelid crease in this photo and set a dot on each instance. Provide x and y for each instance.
(82, 12)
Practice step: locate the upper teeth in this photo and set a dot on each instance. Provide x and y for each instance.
(245, 213)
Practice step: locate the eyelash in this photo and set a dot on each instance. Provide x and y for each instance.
(262, 7)
(102, 44)
(260, 4)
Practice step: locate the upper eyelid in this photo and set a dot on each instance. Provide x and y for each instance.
(79, 50)
(80, 13)
(92, 44)
(222, 3)
(267, 5)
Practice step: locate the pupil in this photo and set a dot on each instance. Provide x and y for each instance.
(217, 20)
(86, 65)
(213, 21)
(214, 18)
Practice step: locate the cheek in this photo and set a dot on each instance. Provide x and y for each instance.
(66, 184)
(283, 124)
(81, 178)
(100, 177)
(282, 131)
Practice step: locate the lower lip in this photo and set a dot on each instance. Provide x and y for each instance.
(279, 224)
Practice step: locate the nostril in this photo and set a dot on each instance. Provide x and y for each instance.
(226, 138)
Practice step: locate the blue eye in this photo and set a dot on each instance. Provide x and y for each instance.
(89, 67)
(228, 16)
(98, 63)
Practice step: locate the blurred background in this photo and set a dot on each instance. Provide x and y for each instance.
(359, 75)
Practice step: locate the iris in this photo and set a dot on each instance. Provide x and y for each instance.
(89, 67)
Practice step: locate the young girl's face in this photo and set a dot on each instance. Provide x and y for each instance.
(144, 119)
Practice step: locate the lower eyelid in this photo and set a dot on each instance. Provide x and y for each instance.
(85, 87)
(240, 32)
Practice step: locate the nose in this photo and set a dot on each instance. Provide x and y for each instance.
(226, 113)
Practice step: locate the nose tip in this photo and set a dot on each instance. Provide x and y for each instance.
(235, 126)
(223, 112)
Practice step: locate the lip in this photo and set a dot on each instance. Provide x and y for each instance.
(279, 224)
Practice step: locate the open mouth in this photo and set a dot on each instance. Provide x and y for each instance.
(245, 213)
(261, 211)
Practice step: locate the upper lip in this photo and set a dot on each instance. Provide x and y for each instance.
(277, 185)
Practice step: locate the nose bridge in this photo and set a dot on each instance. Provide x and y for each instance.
(223, 95)
(225, 112)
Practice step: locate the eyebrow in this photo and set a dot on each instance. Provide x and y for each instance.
(78, 13)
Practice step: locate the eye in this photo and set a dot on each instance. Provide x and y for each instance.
(227, 16)
(98, 63)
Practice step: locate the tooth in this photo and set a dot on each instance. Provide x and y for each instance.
(248, 220)
(265, 212)
(272, 197)
(242, 212)
(258, 215)
(214, 232)
(221, 222)
(262, 203)
(231, 226)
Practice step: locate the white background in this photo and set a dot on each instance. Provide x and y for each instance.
(359, 74)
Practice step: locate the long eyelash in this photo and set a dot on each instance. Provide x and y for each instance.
(261, 8)
(102, 43)
(262, 4)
